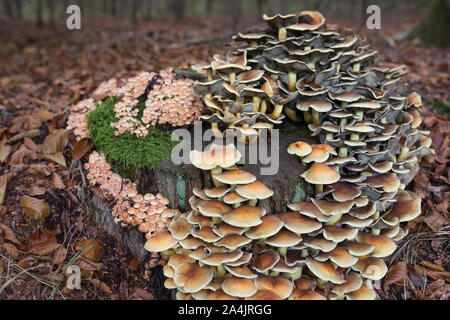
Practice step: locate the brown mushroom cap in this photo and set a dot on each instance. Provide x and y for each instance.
(280, 286)
(339, 256)
(357, 248)
(338, 234)
(244, 216)
(265, 260)
(213, 208)
(220, 295)
(191, 277)
(241, 272)
(235, 176)
(206, 234)
(219, 258)
(264, 295)
(320, 173)
(284, 239)
(239, 287)
(332, 207)
(308, 21)
(270, 225)
(225, 229)
(306, 295)
(178, 259)
(299, 148)
(353, 282)
(345, 191)
(384, 246)
(254, 190)
(324, 271)
(233, 241)
(233, 198)
(389, 182)
(299, 224)
(217, 192)
(161, 241)
(406, 208)
(180, 228)
(371, 268)
(363, 293)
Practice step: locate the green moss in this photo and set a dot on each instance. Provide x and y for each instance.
(440, 107)
(300, 194)
(126, 152)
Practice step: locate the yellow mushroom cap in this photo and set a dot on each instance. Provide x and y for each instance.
(320, 173)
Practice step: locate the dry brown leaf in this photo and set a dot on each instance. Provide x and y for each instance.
(22, 135)
(398, 273)
(432, 265)
(40, 169)
(27, 262)
(11, 249)
(18, 157)
(55, 142)
(35, 208)
(81, 148)
(57, 182)
(92, 251)
(3, 182)
(37, 191)
(5, 151)
(24, 123)
(435, 275)
(30, 144)
(143, 294)
(8, 234)
(435, 220)
(3, 210)
(57, 157)
(59, 255)
(42, 243)
(43, 115)
(133, 265)
(101, 286)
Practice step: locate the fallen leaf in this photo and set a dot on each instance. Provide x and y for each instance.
(101, 286)
(17, 158)
(43, 115)
(57, 157)
(37, 191)
(35, 208)
(30, 144)
(42, 243)
(57, 182)
(26, 122)
(40, 169)
(8, 234)
(143, 294)
(55, 142)
(81, 148)
(435, 221)
(5, 151)
(432, 265)
(3, 182)
(133, 265)
(11, 249)
(435, 275)
(398, 273)
(59, 255)
(22, 135)
(92, 251)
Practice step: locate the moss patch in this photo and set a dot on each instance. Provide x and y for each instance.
(126, 152)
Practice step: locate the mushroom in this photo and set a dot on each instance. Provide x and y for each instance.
(320, 174)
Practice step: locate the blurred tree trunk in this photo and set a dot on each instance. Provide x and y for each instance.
(51, 11)
(39, 14)
(135, 5)
(208, 7)
(113, 7)
(177, 9)
(149, 11)
(8, 8)
(236, 14)
(18, 5)
(260, 8)
(435, 28)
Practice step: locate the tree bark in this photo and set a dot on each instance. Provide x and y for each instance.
(208, 7)
(260, 8)
(434, 29)
(134, 10)
(51, 11)
(18, 9)
(39, 14)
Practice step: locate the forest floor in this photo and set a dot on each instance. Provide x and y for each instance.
(43, 72)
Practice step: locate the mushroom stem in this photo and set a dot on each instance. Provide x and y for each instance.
(356, 67)
(359, 114)
(354, 137)
(307, 116)
(282, 251)
(292, 80)
(402, 186)
(334, 220)
(276, 111)
(209, 74)
(403, 152)
(315, 116)
(297, 274)
(304, 253)
(282, 34)
(232, 77)
(216, 220)
(236, 205)
(319, 188)
(307, 48)
(329, 136)
(343, 122)
(383, 120)
(263, 108)
(221, 271)
(375, 232)
(216, 131)
(321, 283)
(274, 273)
(340, 296)
(343, 152)
(168, 252)
(253, 43)
(292, 115)
(253, 202)
(216, 170)
(256, 103)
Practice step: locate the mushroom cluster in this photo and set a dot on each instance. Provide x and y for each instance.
(76, 120)
(332, 245)
(167, 101)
